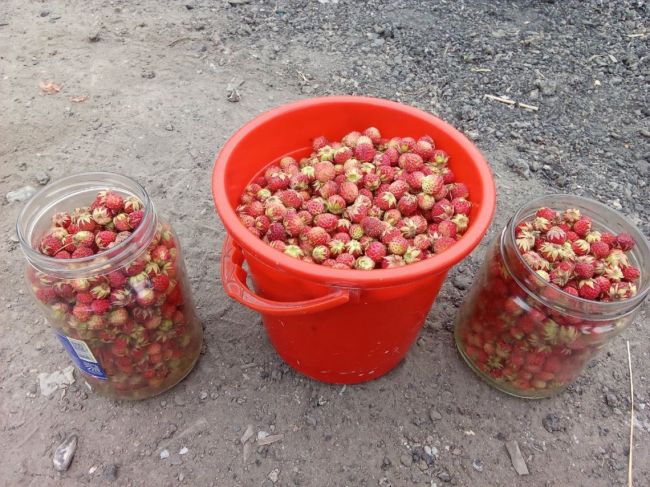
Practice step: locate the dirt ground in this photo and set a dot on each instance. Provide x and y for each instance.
(157, 75)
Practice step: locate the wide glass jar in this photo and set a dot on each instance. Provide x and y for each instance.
(124, 314)
(529, 338)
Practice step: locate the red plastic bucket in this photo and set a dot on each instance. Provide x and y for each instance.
(338, 326)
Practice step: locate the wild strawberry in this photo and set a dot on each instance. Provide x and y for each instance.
(556, 235)
(319, 142)
(85, 222)
(326, 221)
(121, 222)
(443, 243)
(461, 206)
(561, 274)
(541, 224)
(376, 251)
(385, 200)
(600, 250)
(584, 270)
(346, 258)
(364, 152)
(293, 224)
(439, 157)
(317, 236)
(325, 190)
(422, 242)
(372, 226)
(603, 283)
(290, 199)
(461, 221)
(320, 253)
(114, 202)
(625, 242)
(410, 162)
(342, 155)
(424, 149)
(336, 204)
(135, 218)
(551, 252)
(622, 290)
(364, 262)
(547, 214)
(50, 245)
(100, 306)
(432, 184)
(447, 228)
(580, 247)
(589, 289)
(413, 255)
(373, 134)
(371, 181)
(61, 219)
(348, 191)
(582, 226)
(442, 210)
(102, 215)
(631, 273)
(617, 257)
(104, 238)
(407, 204)
(82, 312)
(160, 283)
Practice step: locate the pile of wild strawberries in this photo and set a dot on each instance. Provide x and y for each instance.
(360, 203)
(134, 319)
(530, 348)
(564, 250)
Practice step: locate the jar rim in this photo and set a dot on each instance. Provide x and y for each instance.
(93, 264)
(642, 246)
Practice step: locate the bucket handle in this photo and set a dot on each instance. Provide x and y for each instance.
(233, 277)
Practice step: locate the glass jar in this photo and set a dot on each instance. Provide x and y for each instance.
(125, 314)
(527, 337)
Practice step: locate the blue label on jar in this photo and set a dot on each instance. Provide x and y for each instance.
(82, 357)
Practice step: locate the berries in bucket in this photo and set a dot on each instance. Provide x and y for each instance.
(363, 202)
(332, 321)
(108, 272)
(565, 276)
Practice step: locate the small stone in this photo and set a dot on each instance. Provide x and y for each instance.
(110, 472)
(274, 475)
(477, 465)
(203, 395)
(183, 451)
(547, 87)
(169, 127)
(64, 453)
(175, 460)
(178, 400)
(444, 476)
(148, 74)
(553, 423)
(406, 460)
(164, 454)
(462, 282)
(59, 379)
(434, 415)
(42, 178)
(21, 194)
(386, 463)
(311, 421)
(95, 37)
(44, 13)
(611, 400)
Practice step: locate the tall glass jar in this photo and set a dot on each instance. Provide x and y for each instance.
(527, 337)
(125, 314)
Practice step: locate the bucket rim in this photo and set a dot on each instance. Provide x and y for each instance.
(438, 264)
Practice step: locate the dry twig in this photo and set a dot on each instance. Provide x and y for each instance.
(629, 461)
